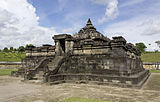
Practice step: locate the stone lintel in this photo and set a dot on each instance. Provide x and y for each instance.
(61, 36)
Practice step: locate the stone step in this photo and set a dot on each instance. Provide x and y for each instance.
(55, 62)
(39, 75)
(36, 81)
(51, 64)
(52, 68)
(40, 72)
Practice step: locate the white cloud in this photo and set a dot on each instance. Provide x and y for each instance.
(70, 30)
(137, 29)
(153, 27)
(19, 25)
(111, 9)
(130, 2)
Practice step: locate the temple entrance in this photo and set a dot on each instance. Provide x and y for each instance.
(62, 45)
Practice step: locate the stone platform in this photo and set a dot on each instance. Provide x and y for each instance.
(86, 57)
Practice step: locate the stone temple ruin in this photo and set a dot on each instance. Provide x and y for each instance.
(86, 57)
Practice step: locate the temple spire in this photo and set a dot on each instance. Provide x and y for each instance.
(89, 22)
(89, 25)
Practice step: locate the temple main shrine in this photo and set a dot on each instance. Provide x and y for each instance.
(86, 57)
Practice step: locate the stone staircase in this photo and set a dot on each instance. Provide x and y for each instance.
(39, 75)
(36, 73)
(55, 64)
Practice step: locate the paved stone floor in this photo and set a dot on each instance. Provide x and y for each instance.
(13, 90)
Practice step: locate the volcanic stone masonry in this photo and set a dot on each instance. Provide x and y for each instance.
(86, 57)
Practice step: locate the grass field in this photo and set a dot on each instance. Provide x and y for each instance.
(78, 99)
(151, 57)
(11, 57)
(6, 71)
(155, 71)
(16, 57)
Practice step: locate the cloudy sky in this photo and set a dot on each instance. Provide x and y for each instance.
(36, 21)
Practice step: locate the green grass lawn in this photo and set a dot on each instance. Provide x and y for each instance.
(16, 57)
(11, 57)
(151, 57)
(77, 99)
(6, 71)
(154, 71)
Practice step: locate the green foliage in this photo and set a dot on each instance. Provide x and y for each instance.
(156, 51)
(154, 71)
(5, 49)
(14, 50)
(150, 57)
(78, 99)
(21, 49)
(29, 45)
(141, 46)
(11, 49)
(11, 57)
(157, 42)
(6, 71)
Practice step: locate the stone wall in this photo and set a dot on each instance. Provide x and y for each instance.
(151, 65)
(40, 54)
(101, 64)
(32, 61)
(102, 69)
(10, 66)
(45, 50)
(90, 50)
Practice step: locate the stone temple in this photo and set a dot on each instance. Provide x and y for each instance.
(86, 57)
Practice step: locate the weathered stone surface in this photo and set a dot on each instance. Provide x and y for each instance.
(87, 56)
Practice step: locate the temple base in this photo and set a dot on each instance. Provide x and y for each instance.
(123, 81)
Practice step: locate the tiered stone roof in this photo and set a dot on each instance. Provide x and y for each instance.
(89, 32)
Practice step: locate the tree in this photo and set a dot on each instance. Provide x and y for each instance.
(21, 49)
(14, 49)
(5, 49)
(11, 49)
(29, 45)
(158, 43)
(141, 46)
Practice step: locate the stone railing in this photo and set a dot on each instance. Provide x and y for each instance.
(31, 73)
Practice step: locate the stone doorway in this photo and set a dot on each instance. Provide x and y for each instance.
(62, 46)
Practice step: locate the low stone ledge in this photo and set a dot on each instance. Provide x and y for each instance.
(10, 63)
(122, 81)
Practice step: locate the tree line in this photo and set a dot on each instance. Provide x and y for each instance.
(20, 49)
(142, 47)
